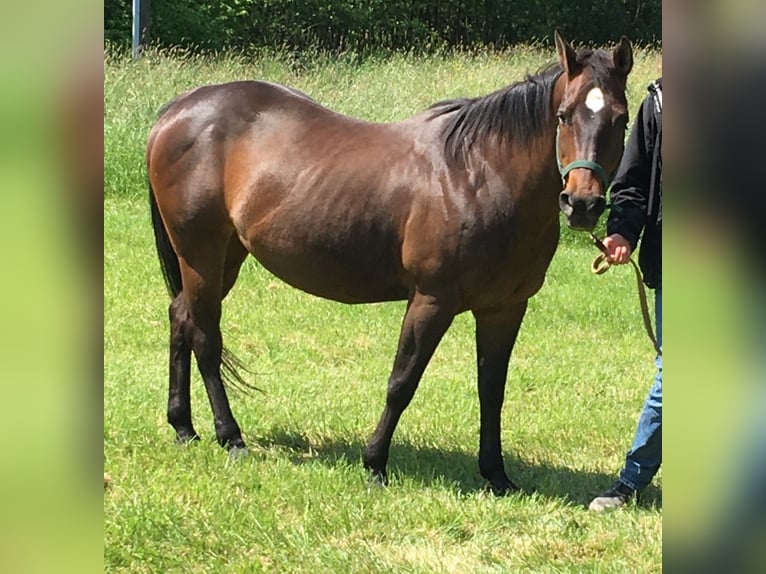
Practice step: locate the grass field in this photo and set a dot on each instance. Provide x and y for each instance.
(300, 502)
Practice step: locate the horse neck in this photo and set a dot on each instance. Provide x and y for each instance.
(527, 169)
(540, 149)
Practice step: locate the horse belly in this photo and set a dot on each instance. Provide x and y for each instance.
(322, 213)
(350, 273)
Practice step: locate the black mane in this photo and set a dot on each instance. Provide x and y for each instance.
(519, 112)
(515, 113)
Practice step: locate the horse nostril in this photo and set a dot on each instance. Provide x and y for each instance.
(564, 203)
(598, 204)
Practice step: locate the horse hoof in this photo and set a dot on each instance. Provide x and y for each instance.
(377, 480)
(503, 487)
(187, 437)
(238, 452)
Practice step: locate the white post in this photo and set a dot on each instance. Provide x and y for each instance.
(136, 28)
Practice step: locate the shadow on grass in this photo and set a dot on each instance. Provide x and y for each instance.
(430, 466)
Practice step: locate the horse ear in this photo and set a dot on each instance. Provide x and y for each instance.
(566, 54)
(622, 56)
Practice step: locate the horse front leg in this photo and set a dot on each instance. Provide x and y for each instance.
(495, 336)
(426, 320)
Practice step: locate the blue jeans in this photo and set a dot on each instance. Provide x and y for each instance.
(645, 456)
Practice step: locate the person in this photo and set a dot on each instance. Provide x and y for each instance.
(636, 197)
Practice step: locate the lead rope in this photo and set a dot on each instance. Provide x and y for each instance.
(601, 265)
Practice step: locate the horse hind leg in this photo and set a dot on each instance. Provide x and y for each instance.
(181, 334)
(208, 275)
(179, 399)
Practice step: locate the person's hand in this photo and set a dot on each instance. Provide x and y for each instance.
(618, 248)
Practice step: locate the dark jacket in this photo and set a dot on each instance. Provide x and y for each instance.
(636, 193)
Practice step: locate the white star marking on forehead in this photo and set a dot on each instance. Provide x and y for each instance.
(595, 100)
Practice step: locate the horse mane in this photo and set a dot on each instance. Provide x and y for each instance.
(516, 112)
(513, 114)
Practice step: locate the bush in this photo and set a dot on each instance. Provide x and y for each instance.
(366, 26)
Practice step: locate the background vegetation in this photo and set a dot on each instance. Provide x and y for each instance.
(365, 26)
(300, 502)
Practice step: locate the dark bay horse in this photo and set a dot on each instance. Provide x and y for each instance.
(455, 209)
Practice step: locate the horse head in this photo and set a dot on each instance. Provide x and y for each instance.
(592, 112)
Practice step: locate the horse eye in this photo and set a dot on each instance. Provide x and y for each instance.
(564, 119)
(621, 121)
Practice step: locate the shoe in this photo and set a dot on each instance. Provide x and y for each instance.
(615, 497)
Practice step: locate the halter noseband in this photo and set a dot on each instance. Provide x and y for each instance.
(584, 163)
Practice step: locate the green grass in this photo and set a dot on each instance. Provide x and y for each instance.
(300, 502)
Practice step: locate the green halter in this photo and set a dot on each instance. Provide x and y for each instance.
(587, 164)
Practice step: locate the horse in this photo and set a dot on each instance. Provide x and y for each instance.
(455, 209)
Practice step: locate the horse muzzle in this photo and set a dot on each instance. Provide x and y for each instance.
(581, 210)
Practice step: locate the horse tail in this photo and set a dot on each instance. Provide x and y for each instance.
(171, 270)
